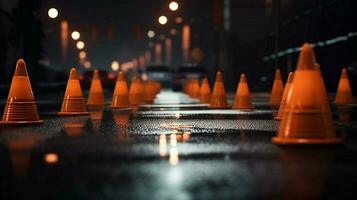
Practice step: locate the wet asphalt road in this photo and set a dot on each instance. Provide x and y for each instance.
(179, 150)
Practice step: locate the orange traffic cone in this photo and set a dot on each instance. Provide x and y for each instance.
(20, 107)
(307, 119)
(218, 97)
(148, 92)
(277, 90)
(243, 100)
(344, 93)
(96, 96)
(205, 92)
(73, 101)
(135, 92)
(286, 96)
(194, 88)
(120, 96)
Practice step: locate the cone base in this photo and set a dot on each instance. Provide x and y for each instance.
(73, 113)
(120, 108)
(20, 123)
(306, 141)
(277, 118)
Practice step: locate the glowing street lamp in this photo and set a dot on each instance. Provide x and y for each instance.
(75, 35)
(162, 20)
(87, 64)
(80, 45)
(115, 65)
(53, 13)
(82, 55)
(151, 34)
(173, 6)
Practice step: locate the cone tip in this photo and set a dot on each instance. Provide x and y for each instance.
(95, 74)
(306, 59)
(219, 76)
(121, 76)
(277, 74)
(290, 77)
(20, 68)
(73, 74)
(243, 79)
(344, 73)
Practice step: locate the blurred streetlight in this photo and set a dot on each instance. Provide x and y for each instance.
(179, 20)
(173, 31)
(75, 35)
(82, 55)
(162, 20)
(151, 34)
(53, 13)
(115, 65)
(173, 6)
(87, 64)
(80, 45)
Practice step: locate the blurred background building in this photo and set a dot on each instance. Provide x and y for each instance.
(234, 36)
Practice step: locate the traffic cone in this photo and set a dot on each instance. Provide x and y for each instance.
(96, 96)
(218, 97)
(20, 107)
(73, 101)
(135, 94)
(121, 94)
(286, 96)
(148, 92)
(205, 92)
(307, 119)
(194, 88)
(344, 93)
(243, 100)
(277, 90)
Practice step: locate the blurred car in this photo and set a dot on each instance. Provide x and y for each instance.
(187, 72)
(160, 73)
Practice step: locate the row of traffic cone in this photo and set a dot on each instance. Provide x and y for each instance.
(278, 98)
(217, 98)
(21, 109)
(73, 103)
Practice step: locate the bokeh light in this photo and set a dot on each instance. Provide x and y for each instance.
(162, 20)
(80, 45)
(115, 65)
(53, 13)
(75, 35)
(173, 31)
(82, 55)
(179, 20)
(87, 64)
(173, 6)
(51, 158)
(151, 34)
